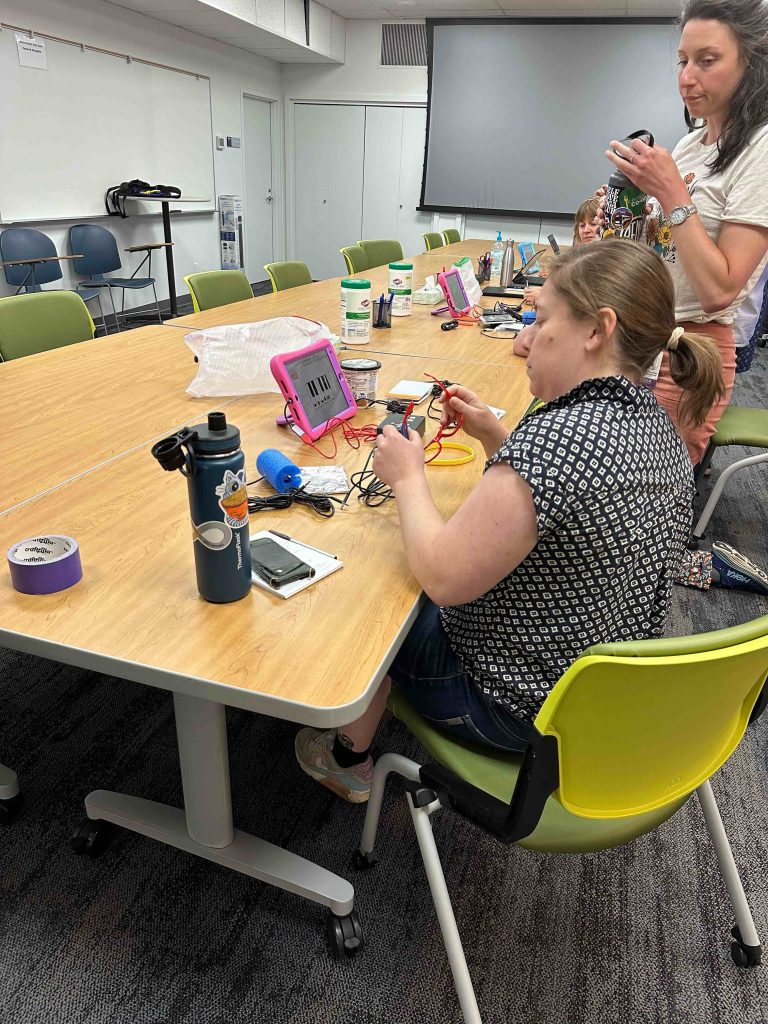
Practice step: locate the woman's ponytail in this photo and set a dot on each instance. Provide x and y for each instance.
(696, 367)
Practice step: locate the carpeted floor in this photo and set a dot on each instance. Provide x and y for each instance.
(148, 935)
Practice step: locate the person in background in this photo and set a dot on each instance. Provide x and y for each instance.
(712, 190)
(585, 229)
(574, 532)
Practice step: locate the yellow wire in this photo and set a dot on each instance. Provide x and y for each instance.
(459, 461)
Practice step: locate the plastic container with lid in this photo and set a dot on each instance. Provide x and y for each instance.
(355, 310)
(401, 288)
(362, 376)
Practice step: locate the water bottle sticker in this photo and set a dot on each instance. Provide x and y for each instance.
(213, 535)
(233, 498)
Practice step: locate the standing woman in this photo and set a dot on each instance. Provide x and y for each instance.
(712, 189)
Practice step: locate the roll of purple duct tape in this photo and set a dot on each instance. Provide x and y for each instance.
(45, 565)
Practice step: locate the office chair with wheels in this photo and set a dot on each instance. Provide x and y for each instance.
(739, 425)
(30, 244)
(100, 256)
(451, 235)
(217, 288)
(290, 274)
(40, 321)
(355, 258)
(620, 744)
(380, 251)
(433, 240)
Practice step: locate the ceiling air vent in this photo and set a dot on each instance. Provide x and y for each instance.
(404, 45)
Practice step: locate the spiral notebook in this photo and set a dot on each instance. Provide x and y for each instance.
(322, 562)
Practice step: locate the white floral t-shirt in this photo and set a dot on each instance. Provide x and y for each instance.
(739, 194)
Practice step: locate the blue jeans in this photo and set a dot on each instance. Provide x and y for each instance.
(431, 676)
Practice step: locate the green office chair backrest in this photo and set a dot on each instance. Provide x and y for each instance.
(380, 251)
(217, 288)
(432, 240)
(451, 235)
(39, 321)
(288, 275)
(640, 725)
(354, 257)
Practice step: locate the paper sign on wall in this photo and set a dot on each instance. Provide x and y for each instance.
(31, 52)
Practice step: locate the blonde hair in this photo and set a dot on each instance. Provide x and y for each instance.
(632, 280)
(586, 213)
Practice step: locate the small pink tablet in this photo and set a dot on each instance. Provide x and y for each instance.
(314, 387)
(455, 294)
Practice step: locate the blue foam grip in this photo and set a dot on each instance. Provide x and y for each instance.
(278, 470)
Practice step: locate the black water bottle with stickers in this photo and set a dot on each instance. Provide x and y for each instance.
(210, 457)
(624, 202)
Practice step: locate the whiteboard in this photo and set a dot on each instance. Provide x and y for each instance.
(93, 120)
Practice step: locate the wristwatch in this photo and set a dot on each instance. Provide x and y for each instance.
(680, 215)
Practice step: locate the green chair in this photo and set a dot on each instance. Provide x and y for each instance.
(433, 240)
(380, 251)
(217, 288)
(354, 257)
(620, 744)
(451, 235)
(739, 425)
(39, 321)
(288, 275)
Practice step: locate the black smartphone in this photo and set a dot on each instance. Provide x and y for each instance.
(276, 565)
(553, 242)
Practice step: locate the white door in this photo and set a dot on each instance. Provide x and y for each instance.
(411, 224)
(329, 143)
(258, 215)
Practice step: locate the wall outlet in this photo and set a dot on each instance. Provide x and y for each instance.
(219, 142)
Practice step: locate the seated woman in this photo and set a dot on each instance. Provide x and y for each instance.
(574, 532)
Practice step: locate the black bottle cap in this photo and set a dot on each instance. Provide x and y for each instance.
(217, 421)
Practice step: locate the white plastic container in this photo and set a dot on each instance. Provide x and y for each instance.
(362, 377)
(401, 288)
(355, 311)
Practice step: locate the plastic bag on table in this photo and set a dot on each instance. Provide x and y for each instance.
(234, 359)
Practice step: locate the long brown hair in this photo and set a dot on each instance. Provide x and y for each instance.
(633, 280)
(586, 212)
(748, 108)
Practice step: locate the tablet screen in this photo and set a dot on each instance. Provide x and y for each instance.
(317, 387)
(457, 296)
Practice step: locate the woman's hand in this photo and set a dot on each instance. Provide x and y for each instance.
(479, 421)
(398, 459)
(652, 169)
(531, 293)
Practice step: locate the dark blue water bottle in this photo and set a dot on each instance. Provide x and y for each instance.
(210, 457)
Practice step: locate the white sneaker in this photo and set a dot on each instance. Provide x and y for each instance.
(314, 752)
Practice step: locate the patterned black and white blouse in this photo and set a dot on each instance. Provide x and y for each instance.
(612, 486)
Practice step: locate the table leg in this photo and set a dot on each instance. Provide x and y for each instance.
(204, 827)
(169, 258)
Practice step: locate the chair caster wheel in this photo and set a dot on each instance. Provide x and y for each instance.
(345, 935)
(9, 809)
(92, 837)
(742, 954)
(363, 861)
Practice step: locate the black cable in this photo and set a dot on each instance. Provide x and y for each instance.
(320, 503)
(372, 491)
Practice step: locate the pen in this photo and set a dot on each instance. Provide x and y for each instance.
(276, 533)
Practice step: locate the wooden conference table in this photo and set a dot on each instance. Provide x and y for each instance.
(415, 335)
(315, 659)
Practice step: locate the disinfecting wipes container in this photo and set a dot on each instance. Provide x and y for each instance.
(355, 311)
(401, 288)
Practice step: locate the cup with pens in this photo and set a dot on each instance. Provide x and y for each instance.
(484, 267)
(382, 311)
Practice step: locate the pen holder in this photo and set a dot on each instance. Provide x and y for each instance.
(483, 271)
(382, 313)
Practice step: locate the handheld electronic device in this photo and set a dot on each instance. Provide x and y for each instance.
(553, 243)
(455, 293)
(314, 386)
(528, 255)
(276, 565)
(491, 319)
